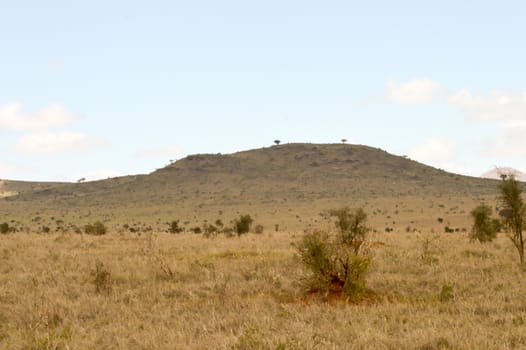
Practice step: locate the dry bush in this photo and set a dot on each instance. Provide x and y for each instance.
(242, 224)
(338, 264)
(4, 228)
(97, 228)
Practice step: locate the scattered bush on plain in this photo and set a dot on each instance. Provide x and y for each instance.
(258, 229)
(484, 228)
(97, 228)
(338, 263)
(4, 228)
(174, 227)
(242, 224)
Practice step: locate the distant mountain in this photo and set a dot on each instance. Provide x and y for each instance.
(496, 172)
(271, 181)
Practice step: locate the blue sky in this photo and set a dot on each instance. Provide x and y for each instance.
(108, 88)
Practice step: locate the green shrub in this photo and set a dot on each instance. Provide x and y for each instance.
(355, 270)
(338, 263)
(332, 265)
(314, 250)
(242, 225)
(97, 228)
(4, 228)
(484, 228)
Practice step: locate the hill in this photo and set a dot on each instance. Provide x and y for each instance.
(9, 188)
(271, 180)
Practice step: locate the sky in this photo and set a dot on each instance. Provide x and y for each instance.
(96, 89)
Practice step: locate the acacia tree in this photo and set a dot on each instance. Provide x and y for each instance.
(277, 142)
(514, 211)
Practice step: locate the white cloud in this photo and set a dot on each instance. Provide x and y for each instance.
(48, 142)
(7, 170)
(172, 152)
(441, 153)
(509, 142)
(413, 92)
(56, 65)
(458, 168)
(434, 150)
(497, 106)
(13, 117)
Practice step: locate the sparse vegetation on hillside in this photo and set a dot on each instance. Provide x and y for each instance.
(309, 177)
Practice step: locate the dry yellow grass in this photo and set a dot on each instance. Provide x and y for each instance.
(164, 291)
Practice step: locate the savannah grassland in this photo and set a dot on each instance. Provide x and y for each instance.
(154, 290)
(140, 287)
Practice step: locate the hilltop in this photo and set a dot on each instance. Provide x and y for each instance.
(285, 176)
